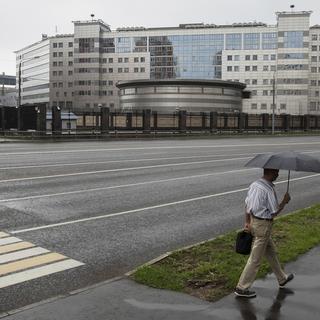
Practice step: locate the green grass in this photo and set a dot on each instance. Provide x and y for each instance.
(211, 270)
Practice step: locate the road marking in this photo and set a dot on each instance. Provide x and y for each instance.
(122, 161)
(30, 262)
(38, 272)
(262, 145)
(3, 234)
(106, 216)
(8, 240)
(24, 261)
(124, 185)
(121, 169)
(22, 254)
(15, 247)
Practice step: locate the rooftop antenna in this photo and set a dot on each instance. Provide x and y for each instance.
(92, 16)
(292, 7)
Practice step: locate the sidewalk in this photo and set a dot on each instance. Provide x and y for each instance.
(124, 299)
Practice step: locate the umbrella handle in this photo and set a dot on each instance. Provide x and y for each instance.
(288, 181)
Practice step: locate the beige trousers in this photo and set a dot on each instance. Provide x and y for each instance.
(262, 246)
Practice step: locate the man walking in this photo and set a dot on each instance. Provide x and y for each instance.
(261, 207)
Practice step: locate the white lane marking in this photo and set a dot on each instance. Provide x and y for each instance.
(106, 216)
(8, 240)
(121, 169)
(125, 185)
(164, 147)
(34, 273)
(134, 160)
(22, 254)
(123, 161)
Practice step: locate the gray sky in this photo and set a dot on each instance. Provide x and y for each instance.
(23, 21)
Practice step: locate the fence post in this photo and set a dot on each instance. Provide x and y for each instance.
(286, 119)
(2, 115)
(213, 121)
(182, 121)
(155, 120)
(41, 119)
(242, 121)
(265, 122)
(306, 122)
(104, 125)
(129, 121)
(56, 121)
(146, 121)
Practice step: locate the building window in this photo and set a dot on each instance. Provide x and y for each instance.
(70, 73)
(251, 41)
(120, 60)
(254, 92)
(54, 84)
(255, 57)
(247, 68)
(265, 92)
(273, 68)
(110, 70)
(314, 37)
(229, 68)
(269, 40)
(136, 70)
(142, 59)
(247, 57)
(283, 106)
(60, 73)
(126, 70)
(263, 106)
(236, 58)
(126, 60)
(119, 70)
(60, 63)
(55, 54)
(54, 73)
(70, 44)
(136, 59)
(229, 58)
(110, 60)
(60, 45)
(110, 82)
(265, 57)
(142, 69)
(70, 54)
(314, 59)
(236, 68)
(70, 84)
(254, 68)
(54, 64)
(265, 81)
(70, 63)
(273, 57)
(55, 45)
(254, 106)
(313, 69)
(293, 39)
(247, 81)
(233, 41)
(314, 48)
(265, 68)
(254, 81)
(60, 54)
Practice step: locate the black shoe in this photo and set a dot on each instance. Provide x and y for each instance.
(289, 278)
(244, 293)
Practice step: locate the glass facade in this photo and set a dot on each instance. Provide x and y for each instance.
(234, 41)
(293, 39)
(269, 40)
(251, 41)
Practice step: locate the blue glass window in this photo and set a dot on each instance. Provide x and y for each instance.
(251, 41)
(233, 41)
(293, 39)
(269, 40)
(123, 44)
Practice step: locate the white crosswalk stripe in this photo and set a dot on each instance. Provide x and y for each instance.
(22, 261)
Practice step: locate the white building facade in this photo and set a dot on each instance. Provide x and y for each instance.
(280, 64)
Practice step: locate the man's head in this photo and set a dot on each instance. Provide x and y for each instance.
(270, 174)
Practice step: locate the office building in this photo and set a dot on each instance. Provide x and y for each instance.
(280, 64)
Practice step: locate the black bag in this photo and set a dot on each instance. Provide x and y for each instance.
(244, 242)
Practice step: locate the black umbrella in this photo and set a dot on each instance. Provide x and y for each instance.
(288, 160)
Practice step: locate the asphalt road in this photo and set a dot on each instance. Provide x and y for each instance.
(108, 207)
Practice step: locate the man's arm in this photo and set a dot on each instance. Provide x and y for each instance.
(247, 219)
(283, 203)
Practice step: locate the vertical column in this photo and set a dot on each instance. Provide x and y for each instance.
(213, 121)
(146, 121)
(183, 121)
(2, 120)
(41, 119)
(242, 120)
(104, 125)
(265, 122)
(19, 119)
(129, 121)
(203, 120)
(155, 120)
(306, 122)
(286, 119)
(56, 121)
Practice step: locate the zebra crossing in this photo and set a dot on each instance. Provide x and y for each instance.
(22, 261)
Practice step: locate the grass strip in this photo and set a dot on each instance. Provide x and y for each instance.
(211, 270)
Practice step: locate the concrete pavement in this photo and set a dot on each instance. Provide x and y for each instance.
(124, 299)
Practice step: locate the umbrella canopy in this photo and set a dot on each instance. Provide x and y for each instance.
(288, 160)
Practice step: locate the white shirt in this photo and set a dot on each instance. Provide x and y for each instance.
(261, 200)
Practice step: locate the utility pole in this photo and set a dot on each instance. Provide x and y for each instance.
(273, 100)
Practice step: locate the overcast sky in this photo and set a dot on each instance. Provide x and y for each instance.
(23, 21)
